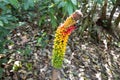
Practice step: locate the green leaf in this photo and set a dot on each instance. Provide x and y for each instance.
(61, 4)
(74, 2)
(99, 1)
(3, 31)
(31, 3)
(41, 20)
(69, 8)
(1, 23)
(17, 65)
(118, 44)
(43, 40)
(53, 18)
(39, 40)
(57, 1)
(28, 4)
(29, 66)
(15, 3)
(4, 60)
(53, 21)
(27, 51)
(1, 72)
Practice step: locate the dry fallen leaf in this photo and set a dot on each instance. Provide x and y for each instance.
(24, 39)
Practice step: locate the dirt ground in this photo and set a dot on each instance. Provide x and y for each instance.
(84, 59)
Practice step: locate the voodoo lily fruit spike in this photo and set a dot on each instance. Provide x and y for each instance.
(61, 38)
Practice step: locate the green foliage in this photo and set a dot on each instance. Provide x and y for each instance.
(1, 71)
(11, 13)
(17, 65)
(15, 3)
(25, 52)
(55, 10)
(42, 40)
(3, 60)
(28, 3)
(15, 12)
(100, 1)
(67, 5)
(29, 66)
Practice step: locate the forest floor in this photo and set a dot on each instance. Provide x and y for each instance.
(84, 59)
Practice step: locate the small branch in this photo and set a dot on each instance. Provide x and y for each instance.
(104, 9)
(114, 9)
(117, 20)
(92, 12)
(112, 13)
(55, 74)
